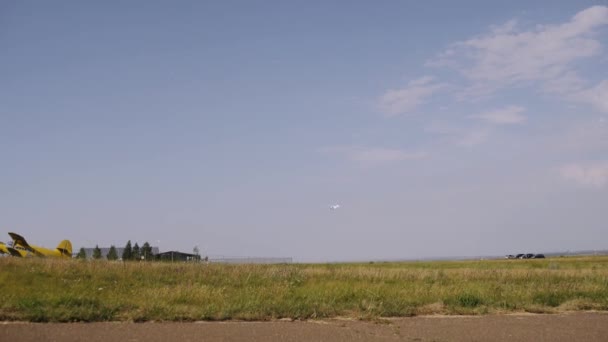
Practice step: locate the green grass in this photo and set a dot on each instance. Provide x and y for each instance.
(48, 290)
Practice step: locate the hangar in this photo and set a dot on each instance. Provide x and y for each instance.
(177, 256)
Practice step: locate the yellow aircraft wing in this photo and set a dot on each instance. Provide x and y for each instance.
(4, 249)
(16, 252)
(19, 240)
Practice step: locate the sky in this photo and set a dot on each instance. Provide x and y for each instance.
(441, 129)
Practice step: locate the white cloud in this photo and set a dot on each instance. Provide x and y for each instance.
(507, 56)
(401, 101)
(596, 96)
(503, 116)
(373, 154)
(567, 83)
(593, 175)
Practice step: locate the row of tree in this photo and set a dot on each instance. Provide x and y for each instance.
(128, 253)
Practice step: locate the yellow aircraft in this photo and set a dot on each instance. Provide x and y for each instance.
(21, 248)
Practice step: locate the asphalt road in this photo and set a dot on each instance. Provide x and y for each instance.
(562, 327)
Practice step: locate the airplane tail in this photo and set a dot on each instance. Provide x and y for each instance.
(65, 247)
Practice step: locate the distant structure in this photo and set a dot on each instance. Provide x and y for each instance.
(106, 250)
(525, 256)
(250, 260)
(177, 256)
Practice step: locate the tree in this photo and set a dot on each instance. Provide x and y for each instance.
(127, 253)
(97, 252)
(81, 254)
(136, 252)
(146, 251)
(112, 255)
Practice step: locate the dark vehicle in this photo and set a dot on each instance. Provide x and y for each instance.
(510, 256)
(529, 256)
(519, 256)
(539, 256)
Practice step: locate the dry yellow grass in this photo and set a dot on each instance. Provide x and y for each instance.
(72, 290)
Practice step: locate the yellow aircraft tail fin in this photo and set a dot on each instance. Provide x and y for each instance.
(65, 247)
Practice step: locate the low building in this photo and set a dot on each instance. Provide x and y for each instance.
(177, 256)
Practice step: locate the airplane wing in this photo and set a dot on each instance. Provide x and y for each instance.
(4, 249)
(16, 253)
(20, 240)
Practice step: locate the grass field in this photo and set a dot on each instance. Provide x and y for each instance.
(42, 290)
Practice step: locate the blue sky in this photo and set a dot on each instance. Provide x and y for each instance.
(441, 129)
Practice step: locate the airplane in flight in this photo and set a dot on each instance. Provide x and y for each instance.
(21, 248)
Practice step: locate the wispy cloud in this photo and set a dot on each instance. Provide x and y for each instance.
(507, 56)
(400, 101)
(593, 175)
(373, 154)
(596, 96)
(544, 58)
(503, 116)
(567, 83)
